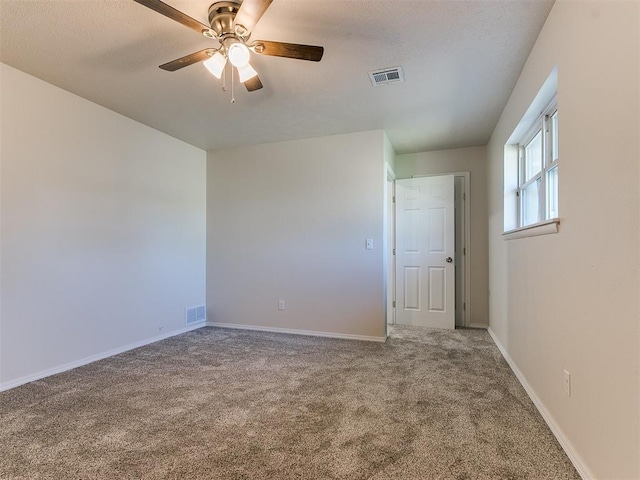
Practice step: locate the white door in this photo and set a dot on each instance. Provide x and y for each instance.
(425, 243)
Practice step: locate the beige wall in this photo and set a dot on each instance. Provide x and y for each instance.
(570, 300)
(102, 230)
(289, 221)
(472, 160)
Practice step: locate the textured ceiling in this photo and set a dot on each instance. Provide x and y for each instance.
(461, 60)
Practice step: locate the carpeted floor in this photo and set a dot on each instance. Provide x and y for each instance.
(232, 404)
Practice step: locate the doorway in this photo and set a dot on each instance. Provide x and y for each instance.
(406, 297)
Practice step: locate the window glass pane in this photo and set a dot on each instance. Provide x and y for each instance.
(533, 156)
(552, 192)
(530, 204)
(554, 137)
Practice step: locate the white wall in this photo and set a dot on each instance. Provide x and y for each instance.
(570, 300)
(474, 161)
(289, 221)
(389, 153)
(103, 230)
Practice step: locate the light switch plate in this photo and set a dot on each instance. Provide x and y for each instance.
(566, 378)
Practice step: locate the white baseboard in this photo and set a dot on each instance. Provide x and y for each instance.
(310, 333)
(566, 445)
(93, 358)
(478, 325)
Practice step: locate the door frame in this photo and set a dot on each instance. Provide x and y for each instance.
(389, 247)
(467, 239)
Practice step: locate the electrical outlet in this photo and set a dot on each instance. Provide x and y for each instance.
(566, 379)
(280, 304)
(369, 243)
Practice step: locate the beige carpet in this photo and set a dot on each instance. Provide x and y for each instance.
(231, 404)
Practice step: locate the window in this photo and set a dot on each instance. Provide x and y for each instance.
(530, 179)
(537, 186)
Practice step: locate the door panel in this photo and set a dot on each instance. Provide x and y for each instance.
(412, 288)
(425, 239)
(437, 230)
(437, 282)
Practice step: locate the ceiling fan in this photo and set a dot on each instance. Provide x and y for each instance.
(231, 23)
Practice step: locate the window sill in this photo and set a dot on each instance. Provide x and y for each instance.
(542, 228)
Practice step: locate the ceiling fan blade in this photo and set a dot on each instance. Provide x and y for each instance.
(173, 14)
(250, 13)
(253, 84)
(188, 60)
(288, 50)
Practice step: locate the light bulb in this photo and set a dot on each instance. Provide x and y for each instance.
(238, 54)
(246, 72)
(216, 64)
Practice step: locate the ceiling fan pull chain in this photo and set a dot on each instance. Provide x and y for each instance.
(233, 97)
(224, 79)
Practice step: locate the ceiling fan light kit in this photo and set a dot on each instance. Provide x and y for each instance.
(216, 64)
(231, 23)
(246, 72)
(238, 54)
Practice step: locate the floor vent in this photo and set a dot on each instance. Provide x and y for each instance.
(387, 76)
(195, 315)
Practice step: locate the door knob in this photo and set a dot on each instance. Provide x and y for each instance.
(449, 259)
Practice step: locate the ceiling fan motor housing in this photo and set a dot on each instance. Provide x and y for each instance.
(221, 16)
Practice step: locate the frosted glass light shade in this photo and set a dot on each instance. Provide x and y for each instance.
(238, 55)
(216, 64)
(246, 72)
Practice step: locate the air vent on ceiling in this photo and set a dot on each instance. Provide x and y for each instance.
(386, 76)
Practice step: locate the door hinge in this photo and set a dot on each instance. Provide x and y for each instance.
(464, 251)
(394, 251)
(394, 304)
(394, 199)
(464, 305)
(464, 196)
